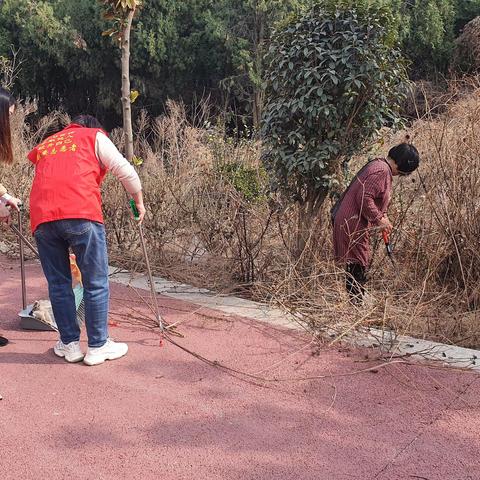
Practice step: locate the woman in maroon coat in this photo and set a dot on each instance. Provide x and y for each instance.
(363, 208)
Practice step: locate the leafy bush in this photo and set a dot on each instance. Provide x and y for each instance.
(246, 180)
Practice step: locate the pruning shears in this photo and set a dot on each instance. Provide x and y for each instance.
(388, 245)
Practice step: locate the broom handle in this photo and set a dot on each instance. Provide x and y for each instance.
(22, 260)
(136, 215)
(25, 240)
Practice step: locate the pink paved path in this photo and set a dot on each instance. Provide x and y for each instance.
(161, 414)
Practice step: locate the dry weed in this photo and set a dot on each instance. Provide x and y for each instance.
(205, 227)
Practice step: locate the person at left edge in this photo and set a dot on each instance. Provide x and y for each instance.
(7, 108)
(66, 213)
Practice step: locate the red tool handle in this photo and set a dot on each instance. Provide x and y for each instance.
(388, 246)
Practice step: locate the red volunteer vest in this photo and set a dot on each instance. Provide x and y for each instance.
(67, 177)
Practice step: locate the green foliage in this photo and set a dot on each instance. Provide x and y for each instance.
(248, 25)
(62, 52)
(178, 51)
(334, 79)
(116, 12)
(429, 38)
(427, 30)
(188, 49)
(465, 11)
(246, 180)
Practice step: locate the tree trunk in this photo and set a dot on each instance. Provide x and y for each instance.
(126, 103)
(257, 107)
(306, 220)
(258, 46)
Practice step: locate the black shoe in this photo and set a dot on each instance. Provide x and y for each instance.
(3, 341)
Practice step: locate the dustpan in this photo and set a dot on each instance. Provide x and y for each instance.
(28, 320)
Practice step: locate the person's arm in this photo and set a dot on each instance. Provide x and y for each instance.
(4, 212)
(113, 161)
(7, 199)
(374, 187)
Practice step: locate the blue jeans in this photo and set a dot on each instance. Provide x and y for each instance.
(87, 241)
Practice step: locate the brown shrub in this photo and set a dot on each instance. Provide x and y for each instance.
(204, 226)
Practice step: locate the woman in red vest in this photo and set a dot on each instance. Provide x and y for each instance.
(66, 213)
(7, 107)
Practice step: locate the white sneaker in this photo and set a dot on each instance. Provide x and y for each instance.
(71, 352)
(110, 351)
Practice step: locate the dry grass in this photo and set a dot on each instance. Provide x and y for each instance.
(204, 228)
(433, 290)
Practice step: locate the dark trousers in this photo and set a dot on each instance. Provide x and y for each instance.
(355, 279)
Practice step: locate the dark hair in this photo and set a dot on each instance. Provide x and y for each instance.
(6, 101)
(87, 121)
(57, 123)
(406, 157)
